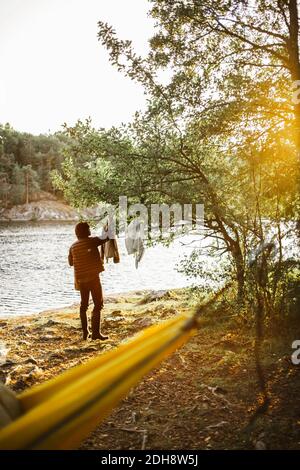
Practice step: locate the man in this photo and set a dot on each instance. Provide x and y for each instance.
(84, 256)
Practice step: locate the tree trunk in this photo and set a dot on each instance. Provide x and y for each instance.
(27, 187)
(234, 248)
(240, 275)
(294, 63)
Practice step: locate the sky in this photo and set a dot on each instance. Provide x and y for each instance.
(53, 69)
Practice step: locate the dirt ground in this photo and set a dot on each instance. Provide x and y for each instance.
(202, 397)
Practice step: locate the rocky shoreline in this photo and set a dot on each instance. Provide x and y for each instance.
(44, 210)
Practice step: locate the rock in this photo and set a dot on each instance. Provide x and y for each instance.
(77, 350)
(2, 376)
(23, 374)
(55, 356)
(35, 372)
(51, 323)
(45, 208)
(3, 323)
(230, 345)
(73, 350)
(111, 300)
(166, 312)
(220, 390)
(217, 425)
(8, 363)
(260, 445)
(112, 321)
(142, 322)
(116, 313)
(19, 328)
(23, 341)
(30, 360)
(89, 349)
(50, 338)
(155, 295)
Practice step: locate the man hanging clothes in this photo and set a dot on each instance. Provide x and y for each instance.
(85, 257)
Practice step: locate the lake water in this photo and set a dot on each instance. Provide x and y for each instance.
(35, 276)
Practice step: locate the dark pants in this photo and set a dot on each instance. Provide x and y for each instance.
(93, 287)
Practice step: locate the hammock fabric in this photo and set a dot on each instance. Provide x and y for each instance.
(61, 412)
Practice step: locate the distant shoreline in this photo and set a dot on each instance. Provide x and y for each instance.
(38, 221)
(44, 210)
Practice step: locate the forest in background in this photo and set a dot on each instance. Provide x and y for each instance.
(26, 162)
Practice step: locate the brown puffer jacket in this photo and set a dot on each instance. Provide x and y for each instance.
(110, 250)
(85, 257)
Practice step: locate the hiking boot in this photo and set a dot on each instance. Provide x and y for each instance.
(96, 317)
(84, 325)
(99, 336)
(86, 334)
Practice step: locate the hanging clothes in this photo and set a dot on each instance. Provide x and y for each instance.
(134, 240)
(110, 248)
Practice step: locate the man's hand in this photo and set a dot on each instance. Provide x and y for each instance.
(10, 408)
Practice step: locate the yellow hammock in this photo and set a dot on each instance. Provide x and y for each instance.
(60, 413)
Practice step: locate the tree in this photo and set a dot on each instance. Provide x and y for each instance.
(220, 54)
(230, 69)
(222, 130)
(24, 156)
(24, 184)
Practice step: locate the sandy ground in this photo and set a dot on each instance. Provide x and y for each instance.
(201, 397)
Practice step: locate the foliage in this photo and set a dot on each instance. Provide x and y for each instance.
(26, 162)
(220, 128)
